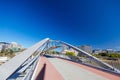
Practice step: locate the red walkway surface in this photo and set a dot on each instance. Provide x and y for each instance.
(99, 72)
(46, 71)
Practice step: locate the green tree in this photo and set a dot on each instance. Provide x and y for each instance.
(114, 55)
(103, 54)
(70, 53)
(9, 52)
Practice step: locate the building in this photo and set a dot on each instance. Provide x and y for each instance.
(118, 52)
(68, 49)
(13, 45)
(86, 48)
(110, 51)
(3, 59)
(97, 51)
(3, 46)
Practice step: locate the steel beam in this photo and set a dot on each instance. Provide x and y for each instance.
(8, 68)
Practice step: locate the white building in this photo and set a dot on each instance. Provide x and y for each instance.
(110, 51)
(3, 59)
(3, 45)
(97, 51)
(12, 45)
(68, 49)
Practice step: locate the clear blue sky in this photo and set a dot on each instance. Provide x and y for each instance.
(92, 22)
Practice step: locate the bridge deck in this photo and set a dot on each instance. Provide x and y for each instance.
(46, 71)
(58, 69)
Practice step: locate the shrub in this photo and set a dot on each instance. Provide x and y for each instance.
(103, 54)
(70, 53)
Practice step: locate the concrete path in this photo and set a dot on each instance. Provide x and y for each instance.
(72, 72)
(105, 74)
(46, 71)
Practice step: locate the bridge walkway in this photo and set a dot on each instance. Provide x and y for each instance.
(51, 68)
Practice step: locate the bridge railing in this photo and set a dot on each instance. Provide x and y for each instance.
(24, 64)
(92, 60)
(13, 65)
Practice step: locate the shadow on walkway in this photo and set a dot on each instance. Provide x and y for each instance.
(41, 74)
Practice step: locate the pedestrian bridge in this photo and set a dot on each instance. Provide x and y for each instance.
(36, 63)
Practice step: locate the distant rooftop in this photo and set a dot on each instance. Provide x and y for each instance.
(4, 43)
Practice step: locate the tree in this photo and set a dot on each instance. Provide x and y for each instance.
(70, 53)
(103, 54)
(114, 55)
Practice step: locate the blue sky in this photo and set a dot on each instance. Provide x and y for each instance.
(91, 22)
